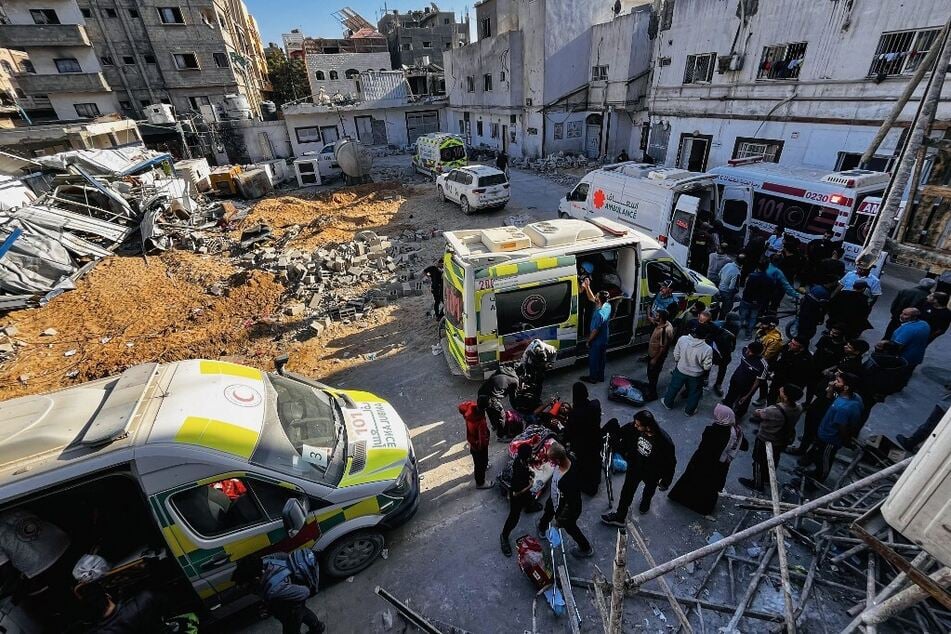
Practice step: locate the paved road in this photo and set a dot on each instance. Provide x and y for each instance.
(447, 561)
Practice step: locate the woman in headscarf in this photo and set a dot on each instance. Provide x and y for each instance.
(583, 437)
(700, 485)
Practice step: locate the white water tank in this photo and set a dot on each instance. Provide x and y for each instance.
(353, 157)
(159, 113)
(237, 107)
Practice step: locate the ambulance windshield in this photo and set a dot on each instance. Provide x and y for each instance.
(301, 436)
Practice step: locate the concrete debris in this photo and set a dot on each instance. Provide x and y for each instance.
(49, 332)
(70, 353)
(552, 165)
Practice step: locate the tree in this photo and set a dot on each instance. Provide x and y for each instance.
(288, 77)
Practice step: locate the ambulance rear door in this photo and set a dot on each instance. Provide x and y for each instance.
(682, 224)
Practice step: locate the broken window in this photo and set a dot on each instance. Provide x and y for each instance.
(470, 84)
(427, 44)
(782, 61)
(67, 65)
(487, 82)
(900, 52)
(26, 66)
(221, 60)
(351, 73)
(128, 60)
(599, 73)
(197, 102)
(171, 15)
(185, 61)
(307, 135)
(88, 110)
(700, 68)
(44, 16)
(769, 149)
(485, 27)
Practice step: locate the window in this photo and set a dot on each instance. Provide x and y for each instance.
(26, 66)
(445, 20)
(105, 60)
(67, 65)
(6, 67)
(171, 15)
(793, 213)
(125, 105)
(769, 149)
(133, 13)
(197, 102)
(487, 82)
(485, 27)
(427, 44)
(681, 226)
(580, 193)
(878, 162)
(470, 84)
(406, 46)
(492, 180)
(599, 73)
(559, 131)
(230, 505)
(700, 68)
(307, 135)
(660, 271)
(900, 52)
(494, 130)
(144, 103)
(334, 75)
(502, 76)
(319, 75)
(448, 45)
(111, 13)
(783, 61)
(575, 128)
(86, 13)
(351, 73)
(536, 307)
(863, 219)
(128, 60)
(149, 58)
(44, 16)
(221, 60)
(185, 61)
(86, 109)
(479, 128)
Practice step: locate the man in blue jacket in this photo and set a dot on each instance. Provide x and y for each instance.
(838, 427)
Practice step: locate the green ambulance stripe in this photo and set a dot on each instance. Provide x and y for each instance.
(528, 266)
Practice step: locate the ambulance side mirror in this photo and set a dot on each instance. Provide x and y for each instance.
(294, 515)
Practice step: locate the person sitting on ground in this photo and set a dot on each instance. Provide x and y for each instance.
(935, 311)
(777, 425)
(838, 427)
(651, 459)
(694, 358)
(908, 298)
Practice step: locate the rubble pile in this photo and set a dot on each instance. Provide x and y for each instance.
(554, 165)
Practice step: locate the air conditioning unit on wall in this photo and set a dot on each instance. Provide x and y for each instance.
(728, 63)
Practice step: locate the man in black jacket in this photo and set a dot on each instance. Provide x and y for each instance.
(794, 365)
(504, 383)
(519, 494)
(651, 459)
(563, 507)
(139, 613)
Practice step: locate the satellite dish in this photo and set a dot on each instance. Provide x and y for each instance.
(354, 158)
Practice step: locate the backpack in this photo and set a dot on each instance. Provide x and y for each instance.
(300, 566)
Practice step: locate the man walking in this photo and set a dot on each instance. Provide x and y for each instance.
(838, 427)
(908, 298)
(651, 459)
(434, 273)
(519, 495)
(777, 425)
(564, 504)
(657, 350)
(597, 334)
(746, 379)
(694, 358)
(477, 436)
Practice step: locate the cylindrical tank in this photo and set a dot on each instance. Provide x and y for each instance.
(269, 110)
(237, 107)
(354, 158)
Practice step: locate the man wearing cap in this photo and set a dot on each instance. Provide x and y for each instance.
(908, 298)
(746, 379)
(694, 358)
(794, 365)
(777, 425)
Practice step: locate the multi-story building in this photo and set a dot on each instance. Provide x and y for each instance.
(334, 65)
(798, 82)
(528, 84)
(92, 57)
(419, 38)
(12, 63)
(294, 43)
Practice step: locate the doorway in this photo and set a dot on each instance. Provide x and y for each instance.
(694, 151)
(593, 124)
(364, 127)
(329, 134)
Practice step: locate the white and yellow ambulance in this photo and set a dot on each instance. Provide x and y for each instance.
(439, 152)
(505, 286)
(173, 472)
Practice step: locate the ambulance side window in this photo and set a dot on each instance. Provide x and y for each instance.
(230, 505)
(579, 193)
(659, 271)
(535, 307)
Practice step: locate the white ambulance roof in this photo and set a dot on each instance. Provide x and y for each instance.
(665, 177)
(851, 179)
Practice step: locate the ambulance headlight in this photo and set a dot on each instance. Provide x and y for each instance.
(404, 483)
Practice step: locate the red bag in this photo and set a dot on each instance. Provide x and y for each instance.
(531, 560)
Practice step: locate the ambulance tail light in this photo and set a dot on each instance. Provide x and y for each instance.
(663, 240)
(837, 199)
(472, 351)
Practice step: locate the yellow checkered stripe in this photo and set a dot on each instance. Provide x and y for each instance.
(534, 265)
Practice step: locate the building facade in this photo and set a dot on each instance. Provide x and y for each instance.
(798, 82)
(93, 57)
(419, 38)
(528, 85)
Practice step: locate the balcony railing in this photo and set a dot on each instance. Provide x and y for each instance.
(27, 36)
(62, 82)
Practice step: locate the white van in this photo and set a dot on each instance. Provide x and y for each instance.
(756, 197)
(662, 202)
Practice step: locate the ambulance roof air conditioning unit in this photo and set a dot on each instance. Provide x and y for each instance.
(559, 233)
(504, 239)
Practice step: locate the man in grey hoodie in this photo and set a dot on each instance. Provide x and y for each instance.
(694, 358)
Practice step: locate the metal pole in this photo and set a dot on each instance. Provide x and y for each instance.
(407, 613)
(750, 590)
(780, 543)
(889, 121)
(643, 577)
(886, 214)
(617, 580)
(904, 599)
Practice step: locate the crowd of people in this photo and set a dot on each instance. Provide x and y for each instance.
(822, 372)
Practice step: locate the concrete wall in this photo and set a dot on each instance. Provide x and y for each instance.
(493, 55)
(18, 11)
(833, 106)
(341, 63)
(622, 44)
(251, 133)
(63, 103)
(433, 29)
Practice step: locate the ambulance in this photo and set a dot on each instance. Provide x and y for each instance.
(439, 152)
(663, 202)
(171, 473)
(505, 286)
(756, 196)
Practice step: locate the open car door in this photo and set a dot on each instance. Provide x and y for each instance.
(735, 212)
(682, 223)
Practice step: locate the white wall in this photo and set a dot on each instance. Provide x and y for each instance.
(62, 103)
(395, 119)
(341, 62)
(66, 10)
(42, 59)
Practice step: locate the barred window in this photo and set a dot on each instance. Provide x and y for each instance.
(782, 61)
(599, 73)
(700, 68)
(769, 149)
(900, 52)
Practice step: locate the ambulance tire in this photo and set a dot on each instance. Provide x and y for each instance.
(563, 215)
(442, 194)
(502, 206)
(352, 553)
(464, 204)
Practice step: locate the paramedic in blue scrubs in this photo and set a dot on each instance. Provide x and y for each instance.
(598, 334)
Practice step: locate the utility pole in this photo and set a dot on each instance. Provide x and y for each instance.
(920, 128)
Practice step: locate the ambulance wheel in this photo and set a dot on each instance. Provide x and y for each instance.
(352, 553)
(502, 206)
(442, 194)
(464, 204)
(562, 214)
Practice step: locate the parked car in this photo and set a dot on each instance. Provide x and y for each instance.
(474, 187)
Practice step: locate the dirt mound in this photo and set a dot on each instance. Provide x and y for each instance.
(127, 312)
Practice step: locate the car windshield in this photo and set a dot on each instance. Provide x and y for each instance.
(304, 434)
(452, 153)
